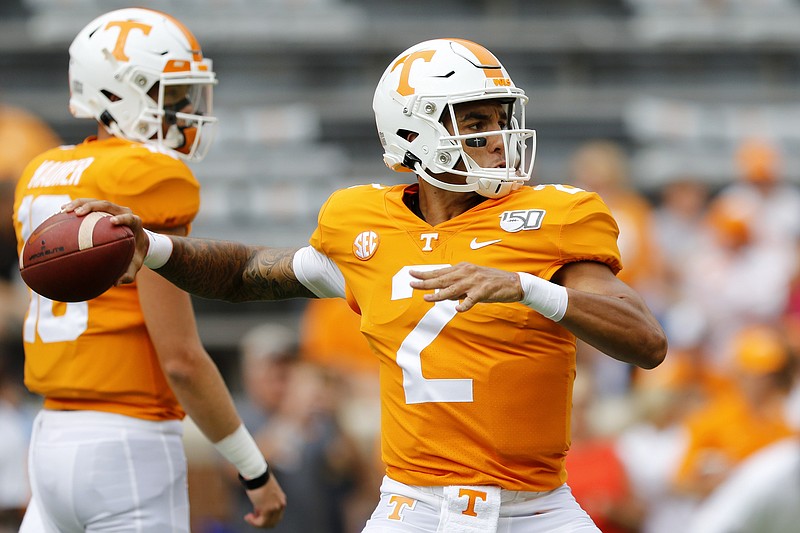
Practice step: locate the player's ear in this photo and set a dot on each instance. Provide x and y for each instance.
(408, 135)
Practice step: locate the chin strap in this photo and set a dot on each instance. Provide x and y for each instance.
(453, 187)
(492, 188)
(180, 138)
(110, 123)
(487, 187)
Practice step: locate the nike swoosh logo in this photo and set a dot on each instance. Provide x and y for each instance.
(476, 245)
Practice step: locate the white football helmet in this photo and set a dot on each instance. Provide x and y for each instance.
(426, 81)
(141, 74)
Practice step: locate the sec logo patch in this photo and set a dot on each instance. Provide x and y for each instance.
(365, 244)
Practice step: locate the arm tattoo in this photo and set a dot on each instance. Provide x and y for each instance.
(234, 272)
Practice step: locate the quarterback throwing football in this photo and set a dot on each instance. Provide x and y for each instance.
(472, 289)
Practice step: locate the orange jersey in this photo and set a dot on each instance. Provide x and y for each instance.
(97, 354)
(475, 398)
(330, 338)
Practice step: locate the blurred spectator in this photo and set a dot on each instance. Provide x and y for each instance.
(330, 336)
(14, 428)
(596, 474)
(773, 202)
(737, 279)
(734, 280)
(652, 446)
(292, 408)
(23, 135)
(791, 327)
(212, 495)
(680, 231)
(14, 486)
(761, 495)
(267, 354)
(602, 166)
(744, 413)
(318, 461)
(678, 222)
(790, 322)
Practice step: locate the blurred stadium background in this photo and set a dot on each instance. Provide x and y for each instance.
(678, 84)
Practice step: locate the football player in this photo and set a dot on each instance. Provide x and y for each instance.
(117, 373)
(472, 289)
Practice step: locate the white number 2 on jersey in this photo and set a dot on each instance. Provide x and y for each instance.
(419, 389)
(41, 319)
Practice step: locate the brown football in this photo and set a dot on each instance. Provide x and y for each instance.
(72, 259)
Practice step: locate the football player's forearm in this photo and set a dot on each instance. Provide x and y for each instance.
(620, 326)
(224, 270)
(269, 275)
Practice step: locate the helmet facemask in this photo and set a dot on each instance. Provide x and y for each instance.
(451, 156)
(184, 109)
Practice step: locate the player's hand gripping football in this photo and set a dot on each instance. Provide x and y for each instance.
(122, 216)
(469, 284)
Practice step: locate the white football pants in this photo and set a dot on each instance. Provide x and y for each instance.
(408, 509)
(103, 472)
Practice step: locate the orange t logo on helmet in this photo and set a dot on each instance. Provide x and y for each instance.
(487, 61)
(404, 88)
(125, 27)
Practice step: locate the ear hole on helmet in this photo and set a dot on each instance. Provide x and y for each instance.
(152, 92)
(111, 96)
(407, 135)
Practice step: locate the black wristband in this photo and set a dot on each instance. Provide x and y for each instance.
(256, 482)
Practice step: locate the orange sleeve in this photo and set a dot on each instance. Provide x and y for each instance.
(160, 189)
(588, 233)
(331, 336)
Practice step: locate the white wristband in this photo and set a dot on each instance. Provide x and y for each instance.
(543, 296)
(159, 250)
(242, 451)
